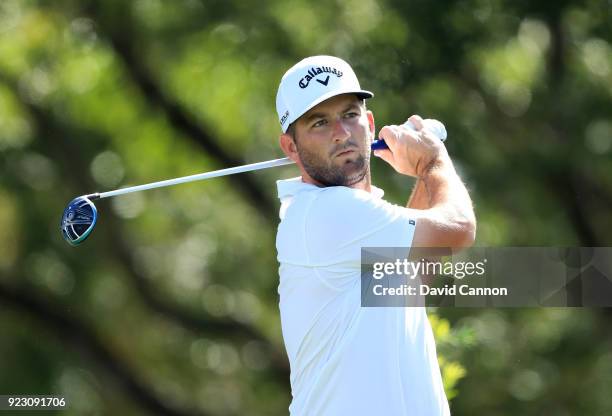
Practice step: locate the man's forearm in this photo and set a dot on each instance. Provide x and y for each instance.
(449, 198)
(419, 199)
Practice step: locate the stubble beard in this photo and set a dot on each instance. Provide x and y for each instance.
(325, 172)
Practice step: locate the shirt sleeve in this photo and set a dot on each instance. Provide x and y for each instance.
(341, 221)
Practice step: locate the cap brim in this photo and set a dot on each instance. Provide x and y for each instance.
(363, 94)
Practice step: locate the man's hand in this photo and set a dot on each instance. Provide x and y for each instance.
(411, 153)
(444, 212)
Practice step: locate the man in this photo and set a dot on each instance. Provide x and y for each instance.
(345, 359)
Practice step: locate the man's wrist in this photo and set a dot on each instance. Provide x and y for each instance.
(439, 163)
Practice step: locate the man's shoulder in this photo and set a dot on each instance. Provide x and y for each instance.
(343, 196)
(334, 200)
(342, 208)
(333, 206)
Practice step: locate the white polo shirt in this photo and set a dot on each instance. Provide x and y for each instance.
(345, 359)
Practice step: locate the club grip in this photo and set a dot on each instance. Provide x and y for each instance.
(430, 124)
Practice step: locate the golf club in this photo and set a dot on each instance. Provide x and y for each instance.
(80, 216)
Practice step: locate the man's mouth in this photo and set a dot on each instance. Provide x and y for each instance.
(345, 152)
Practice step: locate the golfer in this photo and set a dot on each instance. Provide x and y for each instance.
(346, 359)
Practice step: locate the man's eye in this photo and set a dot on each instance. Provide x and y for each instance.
(351, 114)
(319, 123)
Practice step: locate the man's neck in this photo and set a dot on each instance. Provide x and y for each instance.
(364, 184)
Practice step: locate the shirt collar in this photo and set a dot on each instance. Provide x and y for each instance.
(291, 187)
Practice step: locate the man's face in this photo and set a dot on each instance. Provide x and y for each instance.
(333, 141)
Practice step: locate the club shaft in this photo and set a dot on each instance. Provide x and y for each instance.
(197, 177)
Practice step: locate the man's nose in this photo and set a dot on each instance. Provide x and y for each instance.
(341, 131)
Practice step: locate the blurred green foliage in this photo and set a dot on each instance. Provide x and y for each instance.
(171, 306)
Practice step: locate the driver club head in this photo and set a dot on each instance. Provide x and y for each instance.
(78, 220)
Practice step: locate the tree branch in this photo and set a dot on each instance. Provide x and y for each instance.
(74, 333)
(179, 117)
(199, 322)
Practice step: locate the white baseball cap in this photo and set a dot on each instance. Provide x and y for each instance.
(312, 81)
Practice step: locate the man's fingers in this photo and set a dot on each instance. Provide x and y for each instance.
(430, 137)
(416, 121)
(390, 136)
(385, 155)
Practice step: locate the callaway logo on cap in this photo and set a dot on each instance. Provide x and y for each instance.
(312, 81)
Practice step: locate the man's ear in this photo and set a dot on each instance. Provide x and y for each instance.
(289, 147)
(371, 122)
